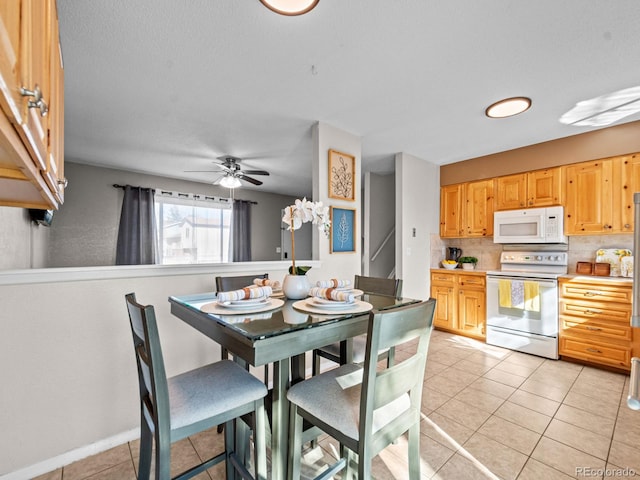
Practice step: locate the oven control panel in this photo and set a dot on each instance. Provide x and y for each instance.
(534, 258)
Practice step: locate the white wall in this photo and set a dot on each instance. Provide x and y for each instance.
(23, 243)
(417, 207)
(325, 138)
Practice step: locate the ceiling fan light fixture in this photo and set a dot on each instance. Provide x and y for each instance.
(230, 182)
(508, 107)
(290, 7)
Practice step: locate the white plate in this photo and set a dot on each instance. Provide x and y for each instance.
(248, 301)
(239, 305)
(328, 304)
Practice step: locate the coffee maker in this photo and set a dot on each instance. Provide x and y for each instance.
(454, 253)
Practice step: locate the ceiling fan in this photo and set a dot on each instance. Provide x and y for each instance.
(232, 172)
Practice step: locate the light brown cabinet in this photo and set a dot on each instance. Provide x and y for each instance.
(466, 209)
(460, 302)
(31, 100)
(540, 188)
(595, 321)
(600, 195)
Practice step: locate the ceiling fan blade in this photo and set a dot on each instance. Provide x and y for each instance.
(250, 180)
(256, 172)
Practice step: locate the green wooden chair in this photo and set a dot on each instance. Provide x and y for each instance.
(378, 286)
(174, 408)
(361, 407)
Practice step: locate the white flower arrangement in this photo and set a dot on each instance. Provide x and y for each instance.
(304, 211)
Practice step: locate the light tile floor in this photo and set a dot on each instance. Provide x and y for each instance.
(487, 413)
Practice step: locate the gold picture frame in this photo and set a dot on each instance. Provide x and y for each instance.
(343, 230)
(342, 176)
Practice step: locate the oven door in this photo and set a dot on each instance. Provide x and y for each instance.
(523, 304)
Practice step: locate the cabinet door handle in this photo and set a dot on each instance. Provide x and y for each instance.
(37, 101)
(595, 329)
(593, 350)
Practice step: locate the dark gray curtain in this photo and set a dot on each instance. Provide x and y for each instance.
(241, 231)
(137, 232)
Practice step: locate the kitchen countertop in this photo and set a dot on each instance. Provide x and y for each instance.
(460, 270)
(598, 278)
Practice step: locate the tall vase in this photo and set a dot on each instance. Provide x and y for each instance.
(295, 287)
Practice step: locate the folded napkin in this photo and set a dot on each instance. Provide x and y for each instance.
(332, 294)
(245, 293)
(333, 283)
(264, 282)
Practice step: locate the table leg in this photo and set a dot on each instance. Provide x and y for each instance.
(346, 351)
(280, 424)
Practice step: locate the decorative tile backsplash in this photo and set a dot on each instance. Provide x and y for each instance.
(581, 249)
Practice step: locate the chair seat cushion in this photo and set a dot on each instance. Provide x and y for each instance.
(211, 390)
(334, 398)
(359, 348)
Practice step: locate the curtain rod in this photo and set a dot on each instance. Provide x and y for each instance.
(115, 185)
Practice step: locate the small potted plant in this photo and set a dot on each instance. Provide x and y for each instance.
(468, 263)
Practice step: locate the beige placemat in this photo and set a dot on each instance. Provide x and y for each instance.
(218, 309)
(357, 307)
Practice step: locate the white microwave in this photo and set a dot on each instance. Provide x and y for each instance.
(529, 225)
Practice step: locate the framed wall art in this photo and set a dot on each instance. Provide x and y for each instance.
(342, 174)
(343, 230)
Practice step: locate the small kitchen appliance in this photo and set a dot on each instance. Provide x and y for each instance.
(454, 253)
(529, 225)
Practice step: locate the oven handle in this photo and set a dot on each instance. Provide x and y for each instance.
(543, 283)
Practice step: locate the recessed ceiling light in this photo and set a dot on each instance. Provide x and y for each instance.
(230, 182)
(290, 7)
(508, 107)
(605, 109)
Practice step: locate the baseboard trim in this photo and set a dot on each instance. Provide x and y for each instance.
(67, 458)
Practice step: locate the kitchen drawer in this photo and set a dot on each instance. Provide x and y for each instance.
(611, 312)
(444, 279)
(613, 355)
(593, 330)
(478, 281)
(601, 293)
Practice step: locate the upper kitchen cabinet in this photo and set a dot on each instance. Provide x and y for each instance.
(630, 170)
(466, 210)
(540, 188)
(31, 100)
(589, 193)
(600, 195)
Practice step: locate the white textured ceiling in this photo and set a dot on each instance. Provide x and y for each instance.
(164, 86)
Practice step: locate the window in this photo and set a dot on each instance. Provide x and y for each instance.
(192, 228)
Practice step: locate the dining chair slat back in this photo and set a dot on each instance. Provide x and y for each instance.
(380, 286)
(367, 408)
(172, 409)
(373, 285)
(225, 284)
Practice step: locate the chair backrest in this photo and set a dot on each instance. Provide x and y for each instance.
(388, 329)
(152, 377)
(381, 286)
(225, 284)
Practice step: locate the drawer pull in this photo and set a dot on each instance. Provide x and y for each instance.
(588, 311)
(595, 329)
(593, 350)
(592, 294)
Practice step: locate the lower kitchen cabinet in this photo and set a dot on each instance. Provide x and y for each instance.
(460, 301)
(595, 315)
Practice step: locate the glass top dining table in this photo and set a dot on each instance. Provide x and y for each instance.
(280, 336)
